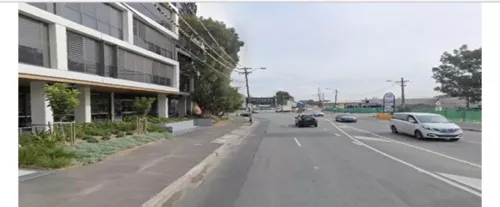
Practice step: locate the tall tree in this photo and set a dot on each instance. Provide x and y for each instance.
(213, 93)
(282, 97)
(459, 74)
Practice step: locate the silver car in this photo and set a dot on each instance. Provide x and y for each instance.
(346, 118)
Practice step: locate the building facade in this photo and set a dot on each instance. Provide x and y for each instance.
(110, 52)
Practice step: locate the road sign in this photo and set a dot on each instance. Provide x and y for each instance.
(389, 102)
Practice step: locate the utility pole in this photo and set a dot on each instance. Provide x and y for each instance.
(335, 91)
(401, 83)
(247, 71)
(319, 97)
(335, 103)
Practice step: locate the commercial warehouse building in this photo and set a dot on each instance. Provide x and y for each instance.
(110, 52)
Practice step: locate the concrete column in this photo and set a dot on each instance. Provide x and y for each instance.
(128, 26)
(41, 113)
(83, 111)
(177, 73)
(191, 90)
(112, 100)
(58, 47)
(162, 105)
(182, 106)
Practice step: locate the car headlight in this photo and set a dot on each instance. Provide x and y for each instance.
(436, 129)
(428, 128)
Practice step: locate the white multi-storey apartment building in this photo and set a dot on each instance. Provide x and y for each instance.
(110, 52)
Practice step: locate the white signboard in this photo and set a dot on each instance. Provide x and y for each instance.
(389, 102)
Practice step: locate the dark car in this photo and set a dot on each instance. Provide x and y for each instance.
(346, 118)
(245, 114)
(306, 120)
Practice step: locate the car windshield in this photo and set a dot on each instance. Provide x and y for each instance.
(432, 119)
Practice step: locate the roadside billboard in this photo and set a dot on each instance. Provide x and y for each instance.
(389, 102)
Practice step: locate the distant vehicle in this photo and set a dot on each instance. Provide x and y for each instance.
(286, 108)
(278, 110)
(318, 114)
(425, 125)
(254, 112)
(245, 114)
(346, 118)
(305, 120)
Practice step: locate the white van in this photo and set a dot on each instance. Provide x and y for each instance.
(425, 125)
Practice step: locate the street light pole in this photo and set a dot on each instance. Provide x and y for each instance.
(247, 71)
(335, 101)
(248, 93)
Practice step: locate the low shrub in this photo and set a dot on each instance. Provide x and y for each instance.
(156, 128)
(44, 155)
(106, 137)
(130, 132)
(121, 134)
(91, 139)
(87, 153)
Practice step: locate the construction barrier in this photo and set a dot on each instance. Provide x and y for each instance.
(384, 116)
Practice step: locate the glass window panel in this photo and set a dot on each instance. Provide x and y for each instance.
(33, 42)
(76, 6)
(115, 18)
(103, 12)
(91, 50)
(90, 9)
(115, 32)
(104, 28)
(42, 6)
(89, 21)
(72, 14)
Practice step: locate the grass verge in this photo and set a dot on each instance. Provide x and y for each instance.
(88, 153)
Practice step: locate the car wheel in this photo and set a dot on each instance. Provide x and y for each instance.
(315, 125)
(394, 130)
(419, 135)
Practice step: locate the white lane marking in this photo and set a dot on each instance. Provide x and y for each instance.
(316, 168)
(324, 129)
(371, 138)
(471, 182)
(343, 126)
(357, 143)
(420, 148)
(297, 141)
(409, 165)
(338, 135)
(473, 142)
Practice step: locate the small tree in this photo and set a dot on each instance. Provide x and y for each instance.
(459, 74)
(143, 106)
(62, 101)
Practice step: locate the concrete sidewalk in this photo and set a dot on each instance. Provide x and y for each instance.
(124, 180)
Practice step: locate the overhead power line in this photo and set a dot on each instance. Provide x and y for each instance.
(185, 33)
(213, 38)
(192, 29)
(187, 51)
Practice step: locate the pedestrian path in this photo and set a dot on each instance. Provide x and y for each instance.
(124, 180)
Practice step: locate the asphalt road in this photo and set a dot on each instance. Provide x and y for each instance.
(335, 164)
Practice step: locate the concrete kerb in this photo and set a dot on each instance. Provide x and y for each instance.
(191, 178)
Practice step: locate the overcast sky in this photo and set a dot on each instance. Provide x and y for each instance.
(352, 47)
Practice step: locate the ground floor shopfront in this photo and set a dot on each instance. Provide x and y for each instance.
(96, 103)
